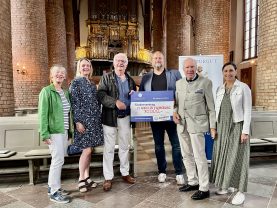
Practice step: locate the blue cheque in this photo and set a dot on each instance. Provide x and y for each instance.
(149, 106)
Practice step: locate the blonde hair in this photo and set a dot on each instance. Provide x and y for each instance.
(78, 74)
(55, 68)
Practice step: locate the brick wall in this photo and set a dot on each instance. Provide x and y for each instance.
(29, 49)
(266, 85)
(56, 33)
(70, 40)
(212, 27)
(6, 74)
(177, 43)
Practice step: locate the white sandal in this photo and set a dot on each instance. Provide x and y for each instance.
(82, 185)
(90, 183)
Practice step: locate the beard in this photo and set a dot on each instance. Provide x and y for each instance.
(158, 65)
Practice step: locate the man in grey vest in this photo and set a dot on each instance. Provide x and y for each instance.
(195, 115)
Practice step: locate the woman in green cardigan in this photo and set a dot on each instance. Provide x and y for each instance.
(54, 120)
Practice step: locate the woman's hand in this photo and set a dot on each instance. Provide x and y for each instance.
(80, 128)
(47, 141)
(244, 138)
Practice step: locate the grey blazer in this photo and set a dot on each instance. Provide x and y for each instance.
(195, 104)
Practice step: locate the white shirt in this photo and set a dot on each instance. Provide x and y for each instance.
(241, 102)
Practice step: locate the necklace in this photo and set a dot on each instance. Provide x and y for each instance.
(228, 90)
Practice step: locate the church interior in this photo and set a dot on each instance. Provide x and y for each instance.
(37, 34)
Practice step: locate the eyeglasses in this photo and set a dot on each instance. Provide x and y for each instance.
(121, 60)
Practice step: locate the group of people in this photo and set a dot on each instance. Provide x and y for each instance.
(77, 113)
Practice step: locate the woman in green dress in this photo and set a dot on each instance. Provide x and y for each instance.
(231, 151)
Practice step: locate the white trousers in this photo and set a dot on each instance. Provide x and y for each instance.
(58, 149)
(123, 133)
(193, 152)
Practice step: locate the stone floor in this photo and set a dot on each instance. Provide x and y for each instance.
(147, 192)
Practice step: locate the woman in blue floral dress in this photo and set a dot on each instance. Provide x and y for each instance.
(87, 119)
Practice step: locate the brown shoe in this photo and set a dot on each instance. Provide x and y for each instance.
(128, 179)
(107, 185)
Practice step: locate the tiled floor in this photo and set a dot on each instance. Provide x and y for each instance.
(147, 192)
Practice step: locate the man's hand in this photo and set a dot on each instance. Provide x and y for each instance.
(244, 138)
(120, 105)
(131, 92)
(213, 133)
(47, 141)
(176, 118)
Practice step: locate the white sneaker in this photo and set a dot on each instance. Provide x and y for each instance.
(162, 177)
(180, 179)
(238, 198)
(231, 189)
(221, 191)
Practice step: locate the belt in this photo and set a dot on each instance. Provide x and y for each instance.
(121, 116)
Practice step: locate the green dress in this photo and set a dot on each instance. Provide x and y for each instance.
(230, 160)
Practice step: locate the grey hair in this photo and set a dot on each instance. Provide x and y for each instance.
(57, 67)
(121, 54)
(191, 59)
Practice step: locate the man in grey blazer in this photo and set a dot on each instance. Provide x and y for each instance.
(195, 115)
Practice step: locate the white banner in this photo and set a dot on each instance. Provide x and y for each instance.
(208, 66)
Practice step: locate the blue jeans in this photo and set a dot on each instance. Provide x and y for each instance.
(158, 130)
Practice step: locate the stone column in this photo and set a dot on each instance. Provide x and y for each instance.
(175, 32)
(157, 27)
(70, 39)
(147, 25)
(212, 27)
(267, 53)
(76, 18)
(6, 73)
(29, 50)
(56, 33)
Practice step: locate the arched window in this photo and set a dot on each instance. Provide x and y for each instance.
(251, 24)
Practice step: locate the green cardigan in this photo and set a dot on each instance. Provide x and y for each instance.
(50, 111)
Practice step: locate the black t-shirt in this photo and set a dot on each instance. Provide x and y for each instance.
(159, 82)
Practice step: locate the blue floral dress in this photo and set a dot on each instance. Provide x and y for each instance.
(86, 110)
